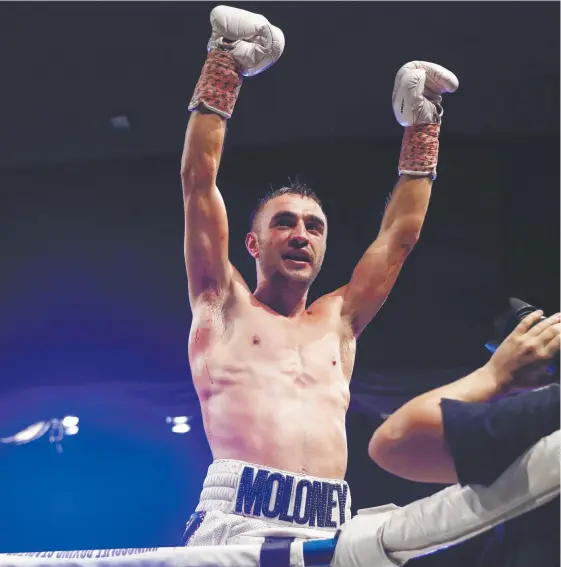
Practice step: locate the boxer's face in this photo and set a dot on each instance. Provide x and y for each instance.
(290, 238)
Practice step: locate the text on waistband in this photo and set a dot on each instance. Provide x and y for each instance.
(314, 500)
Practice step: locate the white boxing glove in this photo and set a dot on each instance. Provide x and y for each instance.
(416, 101)
(241, 43)
(417, 92)
(253, 42)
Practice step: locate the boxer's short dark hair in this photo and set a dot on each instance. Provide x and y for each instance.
(293, 188)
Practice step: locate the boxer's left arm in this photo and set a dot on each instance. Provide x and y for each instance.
(376, 273)
(416, 102)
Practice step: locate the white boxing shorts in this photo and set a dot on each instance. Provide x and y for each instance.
(239, 497)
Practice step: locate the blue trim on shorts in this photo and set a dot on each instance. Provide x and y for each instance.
(193, 524)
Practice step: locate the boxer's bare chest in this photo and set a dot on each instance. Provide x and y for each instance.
(250, 339)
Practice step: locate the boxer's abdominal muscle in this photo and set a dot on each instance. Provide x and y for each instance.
(274, 391)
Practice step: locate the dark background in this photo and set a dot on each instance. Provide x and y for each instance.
(94, 314)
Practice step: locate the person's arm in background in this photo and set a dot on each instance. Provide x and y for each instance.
(456, 434)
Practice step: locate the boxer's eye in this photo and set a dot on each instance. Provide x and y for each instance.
(314, 227)
(284, 221)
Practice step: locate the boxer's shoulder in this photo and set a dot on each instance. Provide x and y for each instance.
(330, 306)
(331, 301)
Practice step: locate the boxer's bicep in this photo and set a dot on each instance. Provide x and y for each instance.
(206, 242)
(206, 222)
(373, 279)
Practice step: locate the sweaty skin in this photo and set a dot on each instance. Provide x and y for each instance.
(272, 374)
(274, 390)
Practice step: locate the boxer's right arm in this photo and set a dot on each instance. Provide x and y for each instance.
(241, 44)
(206, 223)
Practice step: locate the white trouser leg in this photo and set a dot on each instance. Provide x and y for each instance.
(389, 536)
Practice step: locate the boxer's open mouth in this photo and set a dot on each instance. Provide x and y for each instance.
(298, 256)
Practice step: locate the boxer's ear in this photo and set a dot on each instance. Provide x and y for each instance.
(251, 244)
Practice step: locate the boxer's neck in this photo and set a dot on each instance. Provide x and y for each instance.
(287, 299)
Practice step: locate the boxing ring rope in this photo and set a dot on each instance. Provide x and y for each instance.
(227, 556)
(316, 553)
(385, 536)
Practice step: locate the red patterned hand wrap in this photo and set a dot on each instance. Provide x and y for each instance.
(219, 84)
(419, 150)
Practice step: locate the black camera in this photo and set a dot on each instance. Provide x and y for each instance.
(507, 321)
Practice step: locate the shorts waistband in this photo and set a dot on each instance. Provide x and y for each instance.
(275, 496)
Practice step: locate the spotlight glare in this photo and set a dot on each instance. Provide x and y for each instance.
(70, 421)
(72, 430)
(120, 122)
(181, 428)
(180, 419)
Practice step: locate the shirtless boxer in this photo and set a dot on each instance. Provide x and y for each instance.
(272, 373)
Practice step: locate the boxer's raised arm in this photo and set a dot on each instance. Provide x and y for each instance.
(206, 223)
(241, 44)
(416, 103)
(376, 273)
